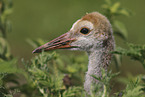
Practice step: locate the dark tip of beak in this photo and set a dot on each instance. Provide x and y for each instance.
(37, 51)
(34, 52)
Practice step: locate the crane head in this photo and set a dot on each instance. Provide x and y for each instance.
(88, 33)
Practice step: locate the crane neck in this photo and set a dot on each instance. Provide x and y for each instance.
(98, 59)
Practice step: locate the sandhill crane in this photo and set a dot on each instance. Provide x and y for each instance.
(93, 34)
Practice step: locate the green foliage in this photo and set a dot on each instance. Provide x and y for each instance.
(135, 52)
(1, 77)
(5, 26)
(48, 79)
(121, 29)
(8, 66)
(4, 49)
(7, 62)
(113, 10)
(72, 92)
(134, 92)
(133, 89)
(5, 11)
(103, 81)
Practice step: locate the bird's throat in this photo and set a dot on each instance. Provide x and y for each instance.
(97, 60)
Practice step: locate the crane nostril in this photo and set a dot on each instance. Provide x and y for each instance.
(63, 43)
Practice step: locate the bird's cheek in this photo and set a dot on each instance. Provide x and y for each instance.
(75, 44)
(101, 36)
(82, 45)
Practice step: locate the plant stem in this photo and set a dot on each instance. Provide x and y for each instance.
(104, 93)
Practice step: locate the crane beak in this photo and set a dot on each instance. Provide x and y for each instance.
(60, 42)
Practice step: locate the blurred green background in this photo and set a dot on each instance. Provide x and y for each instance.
(47, 19)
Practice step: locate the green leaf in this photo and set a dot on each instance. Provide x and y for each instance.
(143, 78)
(98, 78)
(136, 92)
(108, 2)
(71, 70)
(72, 91)
(135, 52)
(115, 7)
(117, 59)
(8, 66)
(4, 48)
(122, 31)
(125, 12)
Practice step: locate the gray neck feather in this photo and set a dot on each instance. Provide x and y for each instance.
(99, 58)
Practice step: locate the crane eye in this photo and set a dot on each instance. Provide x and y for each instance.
(84, 31)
